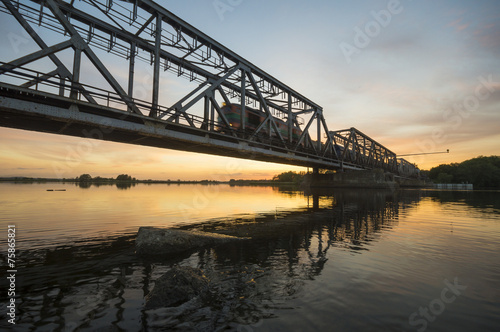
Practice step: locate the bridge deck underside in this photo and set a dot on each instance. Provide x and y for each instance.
(38, 111)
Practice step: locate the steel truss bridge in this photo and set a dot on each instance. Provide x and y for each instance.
(49, 90)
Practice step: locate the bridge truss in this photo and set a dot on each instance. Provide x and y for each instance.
(45, 90)
(355, 147)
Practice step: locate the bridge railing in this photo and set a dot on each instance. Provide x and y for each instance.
(37, 81)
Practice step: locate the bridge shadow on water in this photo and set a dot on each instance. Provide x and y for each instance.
(95, 285)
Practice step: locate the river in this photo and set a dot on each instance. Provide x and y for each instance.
(329, 260)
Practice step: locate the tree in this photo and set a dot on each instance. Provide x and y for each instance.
(444, 178)
(85, 178)
(482, 172)
(289, 177)
(450, 169)
(124, 178)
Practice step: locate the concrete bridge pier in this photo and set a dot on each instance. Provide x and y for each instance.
(376, 178)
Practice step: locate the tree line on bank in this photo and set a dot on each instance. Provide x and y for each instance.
(120, 178)
(482, 172)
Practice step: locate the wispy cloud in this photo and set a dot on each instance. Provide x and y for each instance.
(30, 168)
(458, 25)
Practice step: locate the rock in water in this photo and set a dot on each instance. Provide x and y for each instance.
(157, 241)
(176, 287)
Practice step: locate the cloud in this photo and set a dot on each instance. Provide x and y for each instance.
(488, 37)
(458, 25)
(396, 40)
(30, 168)
(238, 174)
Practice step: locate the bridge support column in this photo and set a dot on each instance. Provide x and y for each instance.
(131, 73)
(76, 73)
(206, 113)
(156, 70)
(243, 101)
(290, 119)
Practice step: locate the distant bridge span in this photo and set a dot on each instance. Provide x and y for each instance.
(269, 121)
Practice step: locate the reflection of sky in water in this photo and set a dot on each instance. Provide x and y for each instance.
(366, 263)
(405, 269)
(55, 217)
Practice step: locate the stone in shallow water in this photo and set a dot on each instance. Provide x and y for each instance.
(152, 241)
(176, 287)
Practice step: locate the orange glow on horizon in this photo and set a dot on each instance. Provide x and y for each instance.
(33, 154)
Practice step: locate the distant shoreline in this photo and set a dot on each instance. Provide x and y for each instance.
(28, 180)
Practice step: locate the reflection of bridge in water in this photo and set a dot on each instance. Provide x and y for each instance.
(100, 284)
(233, 108)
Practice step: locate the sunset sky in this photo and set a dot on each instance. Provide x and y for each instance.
(417, 76)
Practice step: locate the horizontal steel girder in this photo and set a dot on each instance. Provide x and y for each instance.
(23, 109)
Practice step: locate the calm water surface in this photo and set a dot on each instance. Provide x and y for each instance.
(338, 260)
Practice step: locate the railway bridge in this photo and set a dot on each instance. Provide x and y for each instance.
(232, 107)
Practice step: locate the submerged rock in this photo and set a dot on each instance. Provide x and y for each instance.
(158, 241)
(176, 287)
